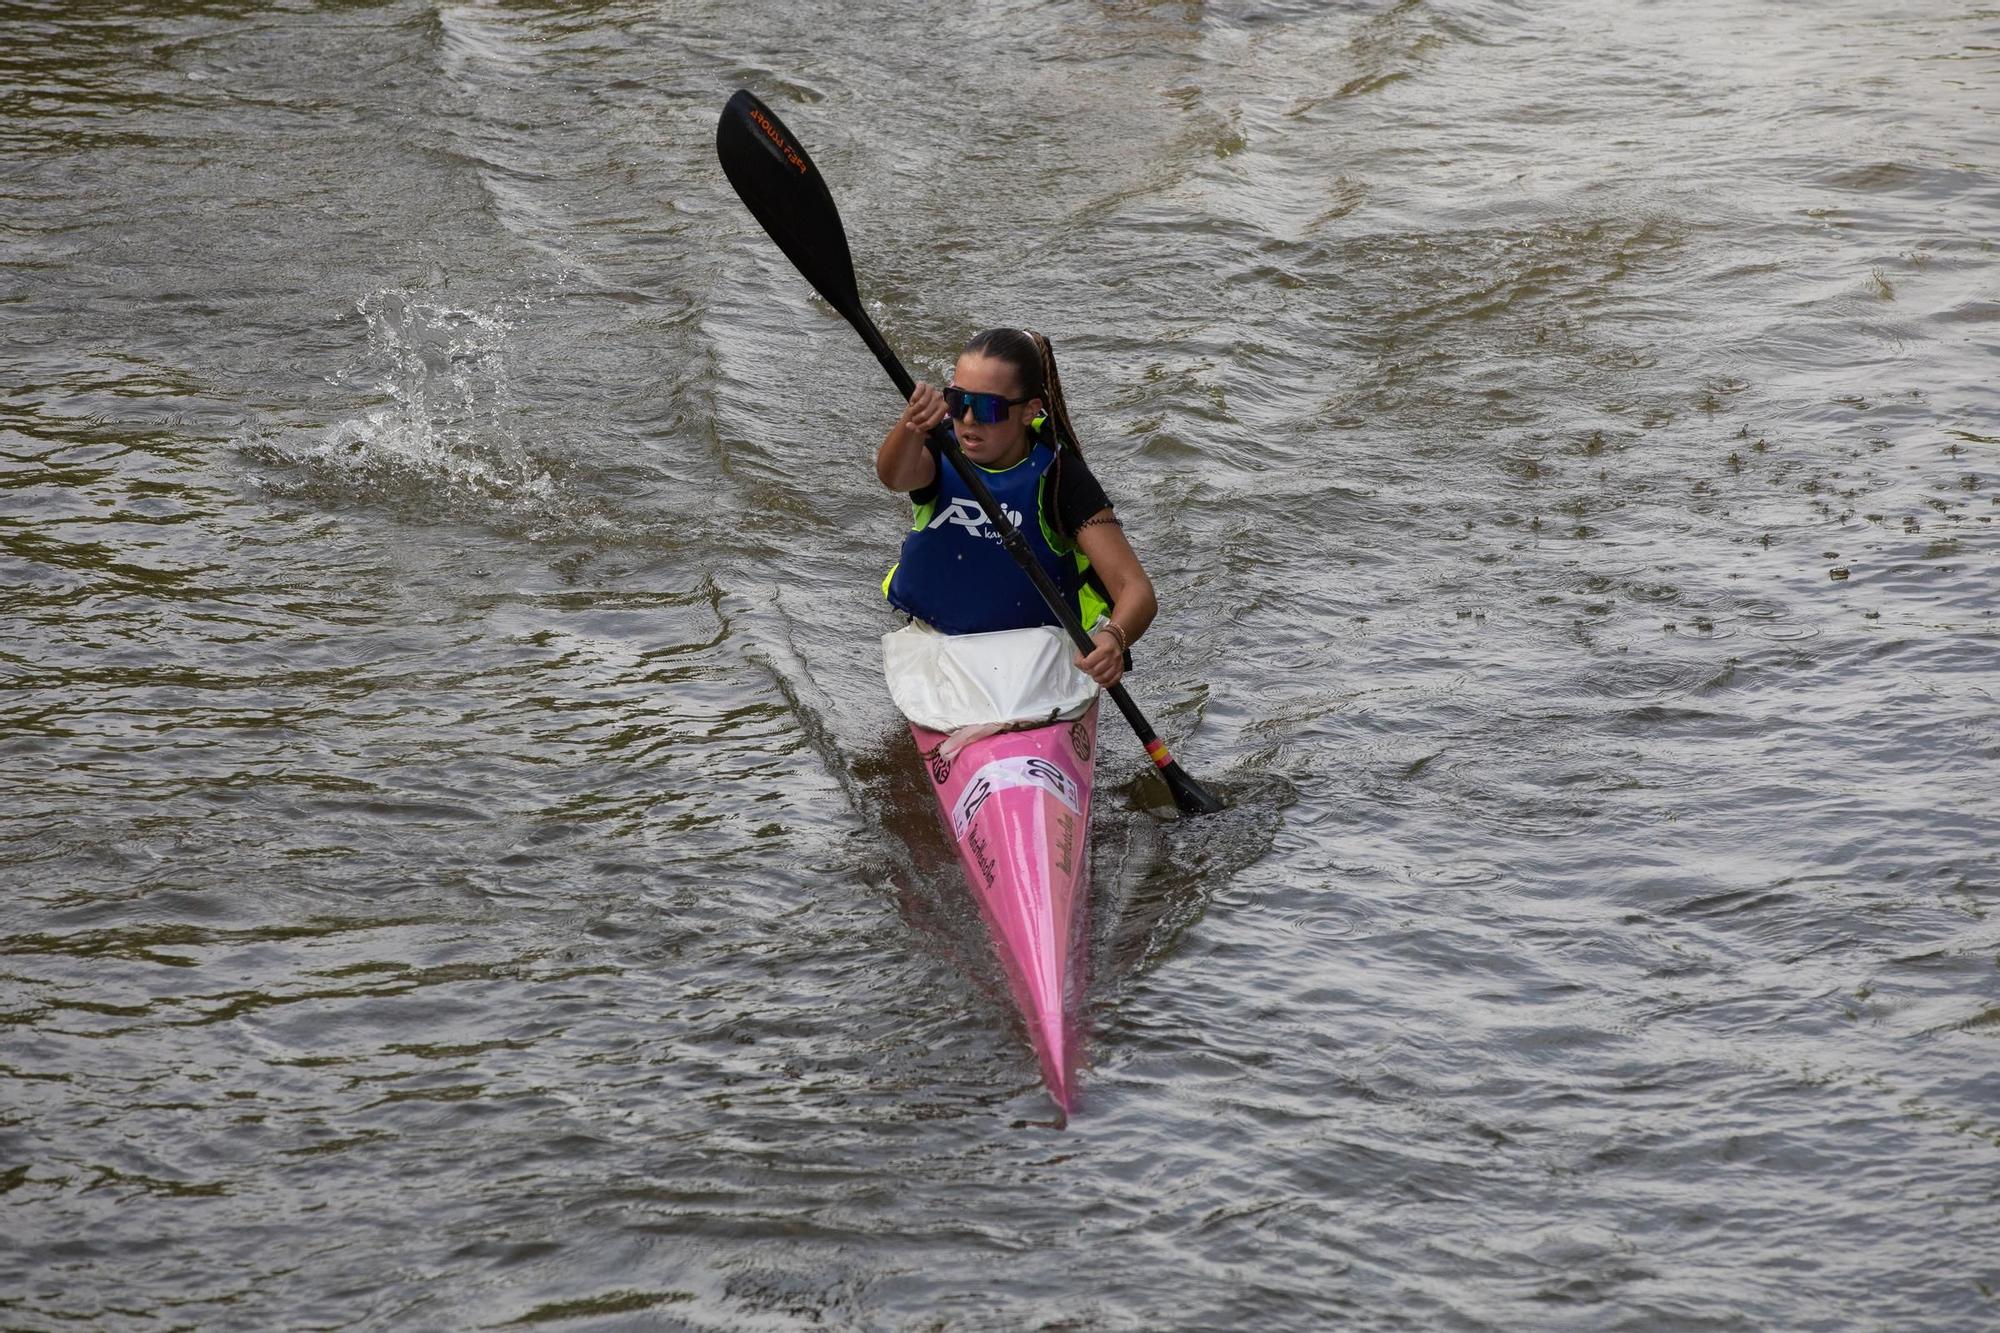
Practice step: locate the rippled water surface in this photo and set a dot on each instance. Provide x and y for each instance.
(461, 868)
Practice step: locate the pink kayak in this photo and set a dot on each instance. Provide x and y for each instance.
(1018, 806)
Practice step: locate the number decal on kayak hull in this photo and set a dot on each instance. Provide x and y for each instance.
(1013, 771)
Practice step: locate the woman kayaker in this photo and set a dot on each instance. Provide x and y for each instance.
(1005, 400)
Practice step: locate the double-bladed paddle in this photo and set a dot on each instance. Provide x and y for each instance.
(784, 191)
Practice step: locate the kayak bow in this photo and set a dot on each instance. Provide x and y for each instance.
(1017, 805)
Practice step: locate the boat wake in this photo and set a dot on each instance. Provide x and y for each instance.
(1157, 874)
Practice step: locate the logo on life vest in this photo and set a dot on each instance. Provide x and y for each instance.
(1013, 771)
(968, 515)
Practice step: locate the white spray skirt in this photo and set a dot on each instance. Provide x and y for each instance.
(949, 682)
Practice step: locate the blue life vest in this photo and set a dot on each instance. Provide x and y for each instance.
(956, 576)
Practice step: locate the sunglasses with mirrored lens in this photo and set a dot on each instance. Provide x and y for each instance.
(988, 409)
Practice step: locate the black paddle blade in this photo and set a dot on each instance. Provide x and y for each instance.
(1190, 796)
(786, 194)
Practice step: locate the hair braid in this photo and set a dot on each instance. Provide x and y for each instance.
(1061, 429)
(1058, 410)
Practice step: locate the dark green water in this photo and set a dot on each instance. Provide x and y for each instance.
(459, 866)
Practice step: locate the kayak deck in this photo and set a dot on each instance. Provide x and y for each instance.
(1017, 806)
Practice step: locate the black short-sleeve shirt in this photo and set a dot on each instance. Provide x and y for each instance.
(1078, 494)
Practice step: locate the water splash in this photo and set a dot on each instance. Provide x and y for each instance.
(451, 441)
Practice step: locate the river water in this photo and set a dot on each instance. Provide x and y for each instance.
(461, 868)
